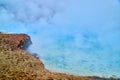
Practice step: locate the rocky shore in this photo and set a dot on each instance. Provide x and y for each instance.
(17, 64)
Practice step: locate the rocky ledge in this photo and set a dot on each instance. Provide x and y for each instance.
(17, 64)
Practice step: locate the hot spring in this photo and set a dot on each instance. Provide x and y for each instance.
(80, 37)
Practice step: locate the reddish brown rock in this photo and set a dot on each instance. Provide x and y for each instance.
(15, 41)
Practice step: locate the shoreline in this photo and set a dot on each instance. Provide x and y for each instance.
(59, 70)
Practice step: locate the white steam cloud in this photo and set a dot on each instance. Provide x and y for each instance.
(31, 10)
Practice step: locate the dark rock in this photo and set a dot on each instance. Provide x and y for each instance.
(35, 55)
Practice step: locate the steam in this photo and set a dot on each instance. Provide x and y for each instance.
(31, 10)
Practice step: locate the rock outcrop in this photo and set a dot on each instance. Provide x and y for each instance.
(14, 41)
(17, 64)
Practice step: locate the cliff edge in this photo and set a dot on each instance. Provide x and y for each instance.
(17, 64)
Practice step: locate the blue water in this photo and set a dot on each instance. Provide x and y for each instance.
(73, 36)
